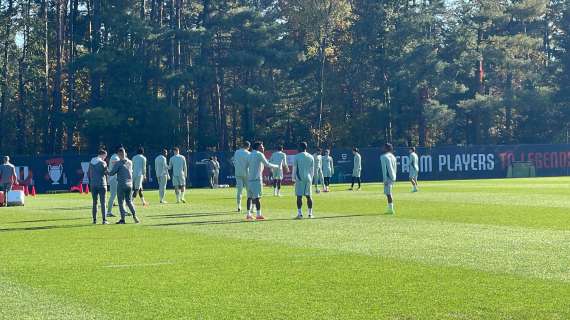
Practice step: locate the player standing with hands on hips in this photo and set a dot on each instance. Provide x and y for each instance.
(414, 169)
(389, 167)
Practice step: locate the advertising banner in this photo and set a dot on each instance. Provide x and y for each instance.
(64, 172)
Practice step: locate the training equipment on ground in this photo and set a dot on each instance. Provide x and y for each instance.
(16, 198)
(521, 169)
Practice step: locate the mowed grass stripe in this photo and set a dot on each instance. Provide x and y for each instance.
(218, 278)
(22, 302)
(472, 260)
(525, 252)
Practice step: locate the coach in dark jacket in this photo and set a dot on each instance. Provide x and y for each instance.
(98, 181)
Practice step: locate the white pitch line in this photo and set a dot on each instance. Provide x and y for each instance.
(138, 265)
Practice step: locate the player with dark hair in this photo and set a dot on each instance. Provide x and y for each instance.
(279, 159)
(139, 174)
(179, 173)
(356, 169)
(162, 176)
(414, 169)
(240, 160)
(124, 171)
(389, 170)
(303, 172)
(98, 180)
(328, 169)
(255, 164)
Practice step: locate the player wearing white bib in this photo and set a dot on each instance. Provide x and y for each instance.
(255, 164)
(112, 182)
(139, 174)
(389, 170)
(278, 158)
(318, 177)
(303, 172)
(239, 160)
(179, 173)
(414, 169)
(162, 176)
(328, 169)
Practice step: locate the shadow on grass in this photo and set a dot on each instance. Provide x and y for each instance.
(190, 215)
(223, 222)
(66, 208)
(50, 220)
(45, 228)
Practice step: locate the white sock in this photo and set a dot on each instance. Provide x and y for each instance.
(299, 212)
(310, 211)
(391, 206)
(258, 213)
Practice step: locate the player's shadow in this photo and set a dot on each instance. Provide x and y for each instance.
(67, 208)
(47, 220)
(228, 222)
(189, 215)
(44, 228)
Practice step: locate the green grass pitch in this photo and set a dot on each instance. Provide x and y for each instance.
(485, 249)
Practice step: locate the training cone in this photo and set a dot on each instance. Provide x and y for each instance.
(33, 191)
(86, 188)
(81, 188)
(26, 191)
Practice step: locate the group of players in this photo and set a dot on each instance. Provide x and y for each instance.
(125, 177)
(250, 161)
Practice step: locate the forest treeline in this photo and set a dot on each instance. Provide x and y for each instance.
(206, 74)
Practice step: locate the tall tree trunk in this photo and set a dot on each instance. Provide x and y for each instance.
(4, 87)
(71, 100)
(56, 125)
(95, 46)
(46, 102)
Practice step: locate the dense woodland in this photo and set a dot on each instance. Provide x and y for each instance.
(206, 74)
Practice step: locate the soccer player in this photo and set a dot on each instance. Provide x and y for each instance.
(328, 169)
(256, 162)
(211, 168)
(389, 167)
(279, 159)
(112, 182)
(303, 172)
(414, 169)
(98, 181)
(124, 171)
(240, 159)
(318, 172)
(161, 169)
(216, 171)
(356, 169)
(179, 173)
(139, 174)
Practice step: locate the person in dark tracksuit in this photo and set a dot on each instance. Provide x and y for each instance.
(98, 180)
(124, 171)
